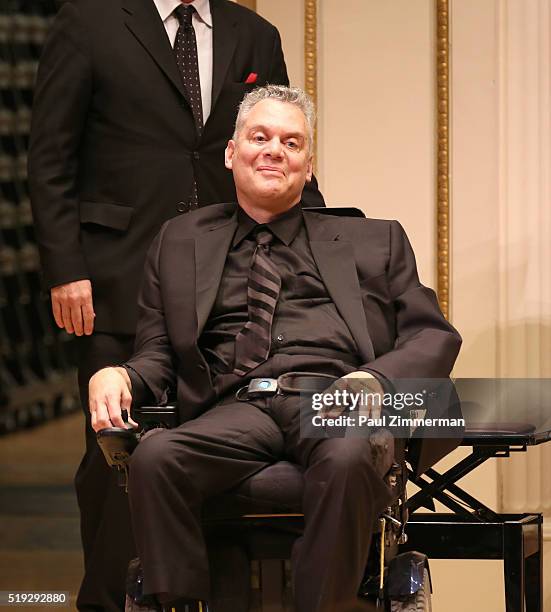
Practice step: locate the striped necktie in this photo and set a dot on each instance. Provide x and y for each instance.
(252, 343)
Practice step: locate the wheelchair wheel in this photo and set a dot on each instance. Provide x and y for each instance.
(418, 602)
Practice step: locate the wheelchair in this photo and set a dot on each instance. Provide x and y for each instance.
(265, 512)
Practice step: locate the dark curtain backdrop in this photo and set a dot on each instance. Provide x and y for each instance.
(37, 380)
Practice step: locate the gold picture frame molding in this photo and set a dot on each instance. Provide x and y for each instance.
(311, 58)
(443, 155)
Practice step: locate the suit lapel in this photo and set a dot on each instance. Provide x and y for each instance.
(337, 267)
(224, 41)
(143, 20)
(211, 250)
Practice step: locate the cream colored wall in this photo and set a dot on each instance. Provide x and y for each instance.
(376, 150)
(475, 193)
(375, 61)
(474, 293)
(501, 157)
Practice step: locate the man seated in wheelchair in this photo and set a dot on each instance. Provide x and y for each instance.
(244, 309)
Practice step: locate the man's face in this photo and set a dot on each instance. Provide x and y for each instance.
(270, 158)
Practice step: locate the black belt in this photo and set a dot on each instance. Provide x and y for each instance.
(290, 383)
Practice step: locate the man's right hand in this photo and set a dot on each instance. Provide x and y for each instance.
(73, 307)
(109, 392)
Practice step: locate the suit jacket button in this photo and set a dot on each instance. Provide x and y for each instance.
(182, 207)
(196, 155)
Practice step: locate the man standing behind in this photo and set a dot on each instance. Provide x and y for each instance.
(134, 104)
(265, 291)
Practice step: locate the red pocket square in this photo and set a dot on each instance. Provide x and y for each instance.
(251, 78)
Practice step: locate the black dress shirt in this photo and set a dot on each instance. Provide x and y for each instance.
(308, 333)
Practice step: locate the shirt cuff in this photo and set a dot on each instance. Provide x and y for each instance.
(141, 393)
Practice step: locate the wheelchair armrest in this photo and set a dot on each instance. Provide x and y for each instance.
(149, 417)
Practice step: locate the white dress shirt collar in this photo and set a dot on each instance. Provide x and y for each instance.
(166, 8)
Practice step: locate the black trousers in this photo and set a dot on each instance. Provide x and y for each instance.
(173, 472)
(104, 512)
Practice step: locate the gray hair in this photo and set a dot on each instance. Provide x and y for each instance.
(290, 95)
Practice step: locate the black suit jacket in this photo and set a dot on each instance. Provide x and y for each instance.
(114, 147)
(369, 270)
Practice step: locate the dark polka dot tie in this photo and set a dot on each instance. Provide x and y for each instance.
(185, 51)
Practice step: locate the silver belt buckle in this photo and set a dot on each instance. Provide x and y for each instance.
(262, 386)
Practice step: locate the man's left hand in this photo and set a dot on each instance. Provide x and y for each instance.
(362, 385)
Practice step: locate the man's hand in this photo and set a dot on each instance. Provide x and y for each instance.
(73, 307)
(366, 392)
(109, 394)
